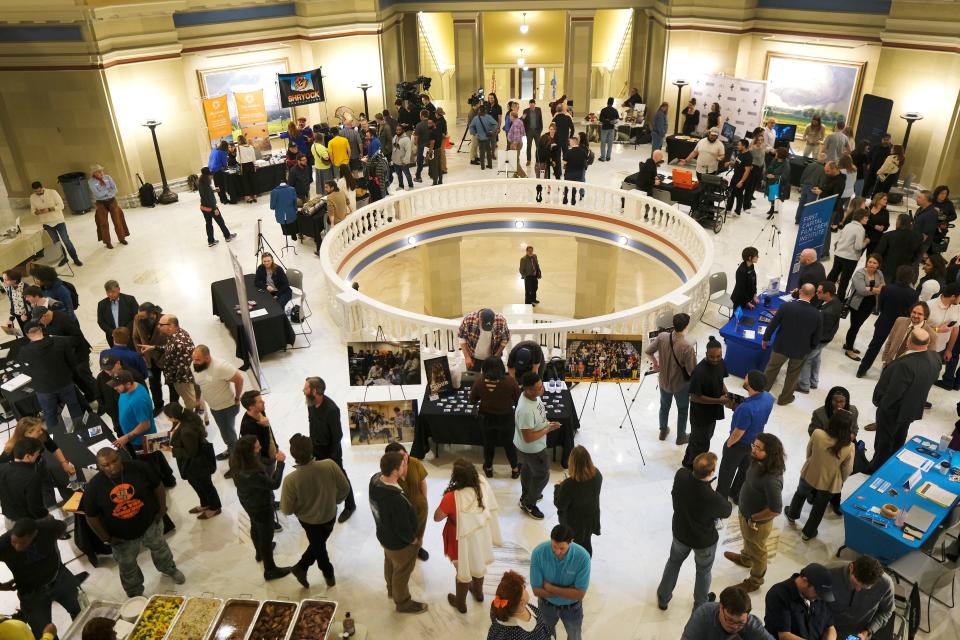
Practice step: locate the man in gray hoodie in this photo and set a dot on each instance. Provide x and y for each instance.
(863, 597)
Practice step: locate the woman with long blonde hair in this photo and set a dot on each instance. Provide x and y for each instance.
(32, 427)
(577, 498)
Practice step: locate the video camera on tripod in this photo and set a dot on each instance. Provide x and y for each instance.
(410, 91)
(476, 98)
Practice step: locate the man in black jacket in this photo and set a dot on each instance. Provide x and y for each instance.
(60, 324)
(20, 493)
(900, 394)
(811, 270)
(52, 367)
(326, 432)
(798, 326)
(647, 177)
(895, 301)
(116, 310)
(925, 220)
(830, 308)
(902, 246)
(696, 506)
(396, 523)
(877, 157)
(533, 126)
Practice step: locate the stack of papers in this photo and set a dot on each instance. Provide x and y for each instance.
(15, 383)
(915, 460)
(939, 495)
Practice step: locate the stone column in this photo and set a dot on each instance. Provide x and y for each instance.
(442, 280)
(409, 47)
(468, 56)
(578, 62)
(597, 265)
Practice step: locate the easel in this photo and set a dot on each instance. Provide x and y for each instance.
(595, 385)
(381, 337)
(262, 241)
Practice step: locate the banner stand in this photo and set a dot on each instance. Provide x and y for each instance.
(249, 336)
(810, 235)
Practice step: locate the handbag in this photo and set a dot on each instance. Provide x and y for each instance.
(683, 370)
(555, 369)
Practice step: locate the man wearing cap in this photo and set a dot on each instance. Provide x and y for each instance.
(708, 153)
(863, 598)
(482, 334)
(135, 411)
(108, 400)
(749, 419)
(52, 366)
(125, 353)
(531, 274)
(797, 607)
(104, 191)
(48, 207)
(527, 355)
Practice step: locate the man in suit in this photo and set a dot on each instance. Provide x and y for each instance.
(532, 119)
(116, 310)
(798, 327)
(648, 178)
(900, 394)
(902, 246)
(925, 220)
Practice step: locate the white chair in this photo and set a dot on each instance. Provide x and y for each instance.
(718, 285)
(295, 278)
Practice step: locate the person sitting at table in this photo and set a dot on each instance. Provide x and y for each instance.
(863, 598)
(797, 607)
(271, 277)
(32, 427)
(830, 454)
(800, 327)
(482, 334)
(496, 393)
(745, 283)
(647, 177)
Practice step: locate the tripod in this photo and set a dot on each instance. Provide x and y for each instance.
(774, 238)
(263, 242)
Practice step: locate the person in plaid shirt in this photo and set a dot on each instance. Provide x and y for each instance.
(482, 334)
(177, 359)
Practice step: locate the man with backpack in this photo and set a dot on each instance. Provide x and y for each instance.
(485, 128)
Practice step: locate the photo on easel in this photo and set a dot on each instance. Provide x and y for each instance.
(384, 362)
(597, 357)
(381, 421)
(438, 375)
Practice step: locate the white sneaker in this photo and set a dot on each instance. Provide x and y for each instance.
(409, 188)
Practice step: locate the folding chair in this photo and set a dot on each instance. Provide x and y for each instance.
(295, 278)
(718, 284)
(929, 575)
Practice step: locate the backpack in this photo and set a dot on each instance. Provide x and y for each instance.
(74, 296)
(148, 197)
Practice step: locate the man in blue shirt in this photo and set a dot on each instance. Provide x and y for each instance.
(559, 576)
(484, 126)
(136, 411)
(749, 418)
(122, 351)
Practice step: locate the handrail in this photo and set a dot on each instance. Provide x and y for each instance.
(426, 39)
(638, 217)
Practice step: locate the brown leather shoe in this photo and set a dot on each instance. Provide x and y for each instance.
(871, 427)
(748, 586)
(411, 606)
(736, 558)
(109, 246)
(785, 401)
(476, 588)
(122, 241)
(209, 513)
(197, 510)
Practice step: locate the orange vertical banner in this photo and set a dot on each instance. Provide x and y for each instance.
(217, 114)
(250, 107)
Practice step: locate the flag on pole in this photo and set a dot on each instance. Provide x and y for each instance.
(493, 83)
(553, 84)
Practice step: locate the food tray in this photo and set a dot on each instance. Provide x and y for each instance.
(277, 633)
(235, 625)
(179, 629)
(313, 631)
(150, 625)
(97, 609)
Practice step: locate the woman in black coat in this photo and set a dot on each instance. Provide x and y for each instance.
(271, 278)
(577, 498)
(745, 288)
(194, 456)
(210, 210)
(255, 490)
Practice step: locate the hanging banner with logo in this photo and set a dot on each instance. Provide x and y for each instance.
(810, 235)
(741, 101)
(250, 107)
(296, 89)
(217, 113)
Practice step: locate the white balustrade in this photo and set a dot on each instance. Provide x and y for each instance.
(360, 315)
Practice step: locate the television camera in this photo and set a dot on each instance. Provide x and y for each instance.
(410, 91)
(476, 98)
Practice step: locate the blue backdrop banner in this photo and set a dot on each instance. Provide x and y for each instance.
(810, 235)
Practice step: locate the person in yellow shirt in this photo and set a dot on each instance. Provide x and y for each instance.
(321, 162)
(11, 629)
(338, 148)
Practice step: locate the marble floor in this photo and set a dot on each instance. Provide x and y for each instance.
(168, 262)
(394, 279)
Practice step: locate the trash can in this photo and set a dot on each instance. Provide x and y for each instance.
(77, 192)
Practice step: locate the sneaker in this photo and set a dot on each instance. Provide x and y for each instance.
(806, 538)
(213, 244)
(534, 512)
(78, 263)
(231, 237)
(418, 180)
(177, 576)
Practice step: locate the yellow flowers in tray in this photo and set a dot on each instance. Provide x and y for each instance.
(156, 618)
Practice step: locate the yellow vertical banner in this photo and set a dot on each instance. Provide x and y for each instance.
(250, 107)
(217, 114)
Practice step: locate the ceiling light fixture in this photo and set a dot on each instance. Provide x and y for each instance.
(521, 60)
(524, 27)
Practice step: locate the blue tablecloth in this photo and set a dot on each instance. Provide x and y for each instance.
(887, 544)
(743, 353)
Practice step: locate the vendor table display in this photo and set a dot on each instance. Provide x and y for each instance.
(744, 335)
(452, 420)
(273, 331)
(265, 178)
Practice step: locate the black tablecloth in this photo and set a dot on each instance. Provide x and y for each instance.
(272, 331)
(689, 197)
(462, 427)
(678, 149)
(264, 178)
(311, 226)
(797, 165)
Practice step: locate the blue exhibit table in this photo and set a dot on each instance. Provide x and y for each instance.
(744, 352)
(871, 533)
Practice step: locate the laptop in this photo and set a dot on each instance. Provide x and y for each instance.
(683, 179)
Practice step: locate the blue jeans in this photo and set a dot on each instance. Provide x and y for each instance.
(322, 176)
(683, 403)
(572, 618)
(59, 232)
(606, 142)
(810, 373)
(858, 187)
(703, 558)
(226, 420)
(806, 195)
(50, 404)
(402, 170)
(656, 141)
